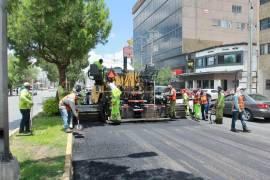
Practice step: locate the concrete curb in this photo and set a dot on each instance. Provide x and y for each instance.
(68, 170)
(13, 132)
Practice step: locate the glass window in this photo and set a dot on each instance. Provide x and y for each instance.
(259, 97)
(210, 61)
(212, 84)
(264, 1)
(267, 84)
(226, 24)
(200, 62)
(262, 49)
(205, 84)
(221, 59)
(264, 23)
(238, 58)
(236, 9)
(229, 59)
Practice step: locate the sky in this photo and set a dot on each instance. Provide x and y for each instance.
(122, 30)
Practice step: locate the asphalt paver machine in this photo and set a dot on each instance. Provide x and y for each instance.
(138, 100)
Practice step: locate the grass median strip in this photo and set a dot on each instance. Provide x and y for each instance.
(42, 155)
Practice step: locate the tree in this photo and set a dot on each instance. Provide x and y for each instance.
(164, 76)
(19, 71)
(59, 32)
(75, 71)
(51, 69)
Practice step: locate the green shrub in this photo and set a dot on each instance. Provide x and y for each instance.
(50, 107)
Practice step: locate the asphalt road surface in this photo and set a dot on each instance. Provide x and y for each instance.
(181, 149)
(14, 111)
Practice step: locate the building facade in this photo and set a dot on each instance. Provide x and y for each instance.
(264, 39)
(224, 65)
(165, 30)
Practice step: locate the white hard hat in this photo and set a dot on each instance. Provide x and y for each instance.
(26, 84)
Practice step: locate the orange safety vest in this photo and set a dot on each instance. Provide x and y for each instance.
(173, 96)
(204, 99)
(196, 99)
(241, 102)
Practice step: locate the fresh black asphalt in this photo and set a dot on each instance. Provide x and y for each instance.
(181, 149)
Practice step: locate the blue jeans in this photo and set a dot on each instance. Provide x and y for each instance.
(66, 116)
(235, 117)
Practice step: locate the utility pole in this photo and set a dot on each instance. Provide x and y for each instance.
(250, 46)
(9, 167)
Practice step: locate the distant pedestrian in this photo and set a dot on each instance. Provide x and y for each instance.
(67, 108)
(219, 106)
(197, 105)
(25, 104)
(204, 106)
(238, 107)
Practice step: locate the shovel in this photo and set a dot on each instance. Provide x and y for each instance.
(79, 127)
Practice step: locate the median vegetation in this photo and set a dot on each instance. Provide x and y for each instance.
(41, 155)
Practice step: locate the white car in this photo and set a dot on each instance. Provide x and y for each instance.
(212, 92)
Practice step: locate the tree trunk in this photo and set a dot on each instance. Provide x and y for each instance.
(62, 76)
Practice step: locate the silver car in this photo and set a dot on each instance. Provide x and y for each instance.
(256, 105)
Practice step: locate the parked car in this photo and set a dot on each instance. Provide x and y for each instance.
(212, 92)
(256, 105)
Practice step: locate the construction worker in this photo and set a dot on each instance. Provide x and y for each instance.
(172, 98)
(99, 64)
(204, 106)
(25, 105)
(220, 106)
(115, 101)
(67, 107)
(197, 105)
(238, 107)
(186, 101)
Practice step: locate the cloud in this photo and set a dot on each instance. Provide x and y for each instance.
(109, 60)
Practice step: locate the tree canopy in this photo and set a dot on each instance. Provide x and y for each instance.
(20, 71)
(164, 76)
(60, 32)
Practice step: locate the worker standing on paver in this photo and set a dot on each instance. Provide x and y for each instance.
(186, 101)
(99, 64)
(67, 107)
(115, 102)
(172, 97)
(220, 106)
(238, 107)
(25, 105)
(197, 105)
(204, 106)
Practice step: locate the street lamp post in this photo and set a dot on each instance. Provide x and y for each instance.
(9, 168)
(250, 47)
(151, 62)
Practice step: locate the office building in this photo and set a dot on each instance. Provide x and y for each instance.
(166, 30)
(264, 39)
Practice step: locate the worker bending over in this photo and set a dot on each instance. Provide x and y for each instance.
(67, 107)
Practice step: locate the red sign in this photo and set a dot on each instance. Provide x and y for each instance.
(178, 71)
(128, 52)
